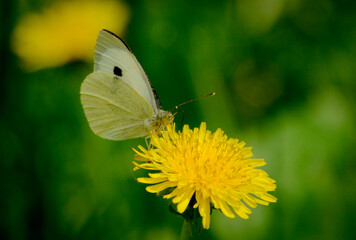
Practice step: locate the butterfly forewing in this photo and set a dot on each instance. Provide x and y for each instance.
(112, 56)
(113, 108)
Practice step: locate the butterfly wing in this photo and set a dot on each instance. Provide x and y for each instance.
(113, 56)
(113, 108)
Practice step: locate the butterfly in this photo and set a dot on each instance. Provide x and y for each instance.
(118, 99)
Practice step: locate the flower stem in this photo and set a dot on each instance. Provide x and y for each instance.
(185, 234)
(190, 231)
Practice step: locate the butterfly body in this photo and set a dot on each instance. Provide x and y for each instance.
(159, 122)
(118, 99)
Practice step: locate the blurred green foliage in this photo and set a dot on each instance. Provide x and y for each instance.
(285, 81)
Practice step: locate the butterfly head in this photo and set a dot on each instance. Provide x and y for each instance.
(160, 121)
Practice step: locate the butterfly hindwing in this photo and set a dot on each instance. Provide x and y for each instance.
(113, 108)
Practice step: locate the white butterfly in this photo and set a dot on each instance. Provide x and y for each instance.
(118, 99)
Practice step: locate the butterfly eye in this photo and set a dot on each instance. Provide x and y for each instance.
(117, 71)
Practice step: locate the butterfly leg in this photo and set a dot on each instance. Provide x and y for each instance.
(182, 121)
(148, 144)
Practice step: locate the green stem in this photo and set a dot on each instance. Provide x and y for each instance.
(186, 233)
(190, 231)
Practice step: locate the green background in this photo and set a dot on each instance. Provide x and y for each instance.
(284, 73)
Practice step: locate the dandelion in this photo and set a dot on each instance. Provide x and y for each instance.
(65, 31)
(204, 170)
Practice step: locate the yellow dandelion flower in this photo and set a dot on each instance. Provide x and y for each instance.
(65, 31)
(215, 170)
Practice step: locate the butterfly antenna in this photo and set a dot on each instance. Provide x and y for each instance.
(176, 107)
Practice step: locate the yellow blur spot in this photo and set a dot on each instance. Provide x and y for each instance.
(66, 31)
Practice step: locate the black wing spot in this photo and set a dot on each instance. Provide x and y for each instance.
(117, 71)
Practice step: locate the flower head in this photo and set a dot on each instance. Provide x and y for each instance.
(65, 31)
(209, 167)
